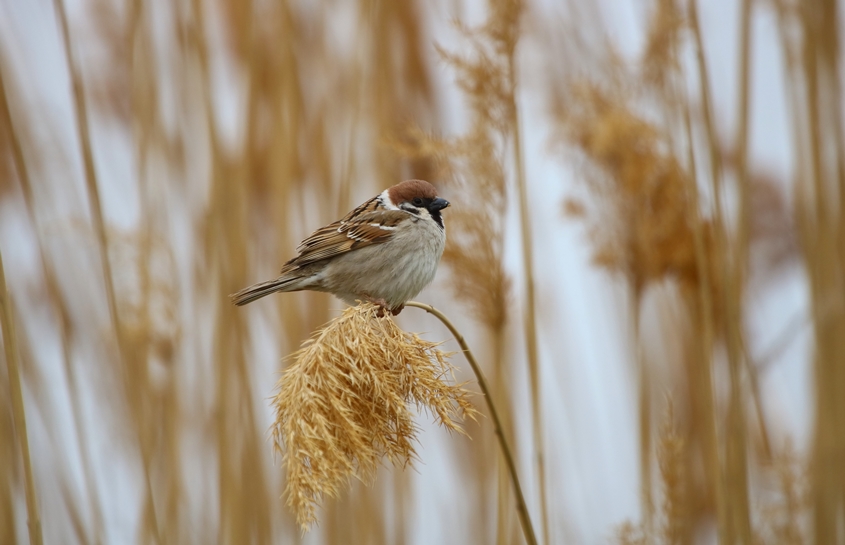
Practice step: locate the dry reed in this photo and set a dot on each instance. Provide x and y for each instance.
(820, 195)
(672, 517)
(651, 224)
(784, 511)
(343, 404)
(642, 230)
(18, 409)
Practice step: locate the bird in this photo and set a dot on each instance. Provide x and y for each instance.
(385, 251)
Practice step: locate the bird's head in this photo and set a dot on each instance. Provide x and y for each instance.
(417, 197)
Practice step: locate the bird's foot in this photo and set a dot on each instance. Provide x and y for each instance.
(383, 307)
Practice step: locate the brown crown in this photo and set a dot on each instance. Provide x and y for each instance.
(411, 189)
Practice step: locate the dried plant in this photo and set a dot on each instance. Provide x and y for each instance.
(7, 331)
(660, 57)
(643, 229)
(671, 454)
(629, 533)
(784, 512)
(643, 224)
(343, 404)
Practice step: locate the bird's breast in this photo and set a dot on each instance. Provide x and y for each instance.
(396, 270)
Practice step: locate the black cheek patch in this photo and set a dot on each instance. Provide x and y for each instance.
(438, 219)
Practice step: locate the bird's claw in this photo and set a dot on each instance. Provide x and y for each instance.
(383, 306)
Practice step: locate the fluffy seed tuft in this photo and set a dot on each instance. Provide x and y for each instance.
(343, 404)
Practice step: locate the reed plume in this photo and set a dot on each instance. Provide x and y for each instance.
(660, 58)
(643, 229)
(673, 518)
(344, 404)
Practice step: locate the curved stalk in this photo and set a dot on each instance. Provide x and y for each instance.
(521, 508)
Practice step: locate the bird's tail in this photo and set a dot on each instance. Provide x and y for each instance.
(257, 291)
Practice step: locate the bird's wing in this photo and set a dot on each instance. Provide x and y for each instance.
(360, 228)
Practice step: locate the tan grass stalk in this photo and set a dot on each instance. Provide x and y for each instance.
(236, 416)
(700, 371)
(741, 142)
(821, 206)
(736, 457)
(55, 295)
(801, 73)
(722, 502)
(7, 326)
(732, 495)
(530, 319)
(343, 404)
(154, 407)
(91, 184)
(643, 415)
(522, 508)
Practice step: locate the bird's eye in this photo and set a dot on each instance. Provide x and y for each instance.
(418, 202)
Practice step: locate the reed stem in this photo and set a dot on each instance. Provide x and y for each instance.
(86, 148)
(521, 507)
(530, 317)
(16, 392)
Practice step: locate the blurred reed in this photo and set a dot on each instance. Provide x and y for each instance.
(20, 437)
(652, 220)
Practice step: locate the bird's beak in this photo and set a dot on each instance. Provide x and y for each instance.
(438, 204)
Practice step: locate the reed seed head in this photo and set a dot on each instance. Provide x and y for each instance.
(660, 57)
(344, 404)
(649, 234)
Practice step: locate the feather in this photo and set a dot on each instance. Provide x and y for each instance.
(363, 229)
(257, 291)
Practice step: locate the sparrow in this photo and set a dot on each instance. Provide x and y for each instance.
(385, 251)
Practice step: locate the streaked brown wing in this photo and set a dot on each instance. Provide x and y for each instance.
(351, 233)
